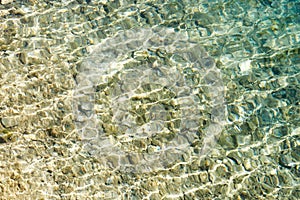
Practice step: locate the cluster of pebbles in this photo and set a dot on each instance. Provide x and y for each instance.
(146, 97)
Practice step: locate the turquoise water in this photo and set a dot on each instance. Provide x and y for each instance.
(44, 48)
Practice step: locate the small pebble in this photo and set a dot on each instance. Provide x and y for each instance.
(6, 1)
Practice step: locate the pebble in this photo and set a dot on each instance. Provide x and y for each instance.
(245, 66)
(8, 122)
(247, 164)
(6, 1)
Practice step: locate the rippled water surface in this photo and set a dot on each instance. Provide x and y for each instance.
(149, 99)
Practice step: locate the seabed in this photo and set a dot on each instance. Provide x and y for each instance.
(202, 103)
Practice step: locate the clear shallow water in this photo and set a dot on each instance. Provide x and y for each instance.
(141, 113)
(255, 46)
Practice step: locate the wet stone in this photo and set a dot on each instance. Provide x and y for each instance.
(9, 122)
(203, 176)
(285, 161)
(6, 1)
(247, 164)
(235, 156)
(280, 132)
(228, 141)
(6, 136)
